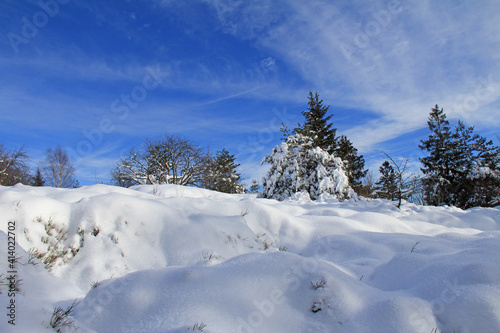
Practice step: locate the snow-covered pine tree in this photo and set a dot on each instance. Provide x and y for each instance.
(297, 165)
(437, 166)
(318, 127)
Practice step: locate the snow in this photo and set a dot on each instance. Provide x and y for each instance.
(168, 258)
(297, 167)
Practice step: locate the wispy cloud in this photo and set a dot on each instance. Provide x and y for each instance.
(381, 65)
(396, 59)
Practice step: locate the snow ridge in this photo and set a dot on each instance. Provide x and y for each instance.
(172, 258)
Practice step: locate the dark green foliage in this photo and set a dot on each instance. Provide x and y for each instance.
(316, 125)
(386, 187)
(476, 170)
(254, 188)
(221, 174)
(354, 164)
(320, 130)
(437, 166)
(38, 179)
(462, 169)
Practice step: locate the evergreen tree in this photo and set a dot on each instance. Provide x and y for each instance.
(224, 176)
(354, 163)
(316, 132)
(461, 187)
(476, 170)
(254, 188)
(38, 179)
(316, 125)
(437, 166)
(319, 129)
(299, 166)
(386, 187)
(462, 169)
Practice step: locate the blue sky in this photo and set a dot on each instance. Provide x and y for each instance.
(100, 77)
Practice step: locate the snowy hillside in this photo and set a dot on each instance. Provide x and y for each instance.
(176, 259)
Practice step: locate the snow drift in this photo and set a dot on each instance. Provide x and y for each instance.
(171, 259)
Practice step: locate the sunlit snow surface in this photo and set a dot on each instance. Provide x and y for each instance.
(168, 258)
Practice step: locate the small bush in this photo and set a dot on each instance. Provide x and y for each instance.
(318, 284)
(95, 231)
(54, 238)
(32, 259)
(230, 239)
(265, 241)
(210, 256)
(61, 318)
(199, 327)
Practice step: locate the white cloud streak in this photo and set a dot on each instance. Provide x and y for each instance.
(396, 59)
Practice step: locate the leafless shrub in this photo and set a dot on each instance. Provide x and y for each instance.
(199, 327)
(414, 247)
(210, 256)
(318, 284)
(61, 318)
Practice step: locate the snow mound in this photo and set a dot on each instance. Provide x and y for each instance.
(171, 259)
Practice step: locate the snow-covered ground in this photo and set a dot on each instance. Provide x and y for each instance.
(174, 259)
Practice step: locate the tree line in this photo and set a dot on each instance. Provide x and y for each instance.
(175, 160)
(461, 168)
(55, 170)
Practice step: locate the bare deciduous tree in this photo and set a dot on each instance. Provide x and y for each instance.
(406, 183)
(13, 166)
(57, 169)
(170, 160)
